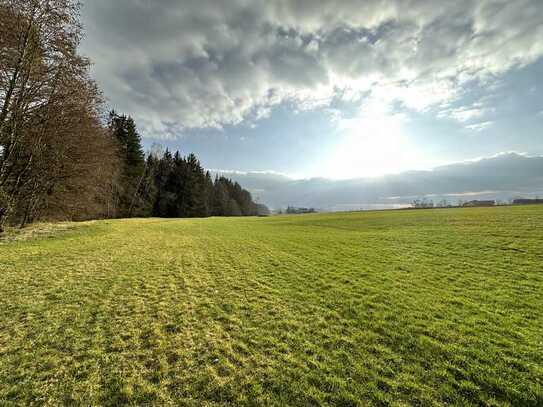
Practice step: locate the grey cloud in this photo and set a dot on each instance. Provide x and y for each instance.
(210, 63)
(501, 177)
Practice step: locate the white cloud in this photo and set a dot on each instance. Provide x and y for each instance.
(479, 126)
(466, 114)
(471, 115)
(191, 64)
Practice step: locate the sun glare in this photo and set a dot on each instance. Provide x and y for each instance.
(373, 143)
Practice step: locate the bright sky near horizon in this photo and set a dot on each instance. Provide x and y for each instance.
(336, 89)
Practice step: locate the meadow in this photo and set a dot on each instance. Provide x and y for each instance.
(425, 307)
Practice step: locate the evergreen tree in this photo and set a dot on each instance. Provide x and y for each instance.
(182, 188)
(195, 204)
(233, 208)
(163, 166)
(208, 187)
(220, 198)
(175, 196)
(130, 199)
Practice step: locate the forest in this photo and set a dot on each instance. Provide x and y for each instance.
(62, 156)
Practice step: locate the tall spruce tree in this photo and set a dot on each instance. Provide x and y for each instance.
(220, 197)
(163, 167)
(195, 189)
(130, 202)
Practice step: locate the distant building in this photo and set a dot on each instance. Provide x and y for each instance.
(477, 203)
(526, 201)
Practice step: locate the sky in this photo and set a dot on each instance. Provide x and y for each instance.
(503, 177)
(331, 89)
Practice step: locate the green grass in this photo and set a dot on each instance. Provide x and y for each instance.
(379, 308)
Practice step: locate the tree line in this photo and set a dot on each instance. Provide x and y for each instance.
(170, 185)
(61, 156)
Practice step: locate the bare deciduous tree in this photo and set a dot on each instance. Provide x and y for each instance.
(54, 151)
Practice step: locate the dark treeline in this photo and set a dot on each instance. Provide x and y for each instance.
(170, 185)
(180, 187)
(61, 157)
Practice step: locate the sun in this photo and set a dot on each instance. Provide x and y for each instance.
(373, 143)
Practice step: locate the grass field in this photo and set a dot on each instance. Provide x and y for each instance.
(379, 308)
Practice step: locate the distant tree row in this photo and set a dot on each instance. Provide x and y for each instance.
(61, 157)
(292, 210)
